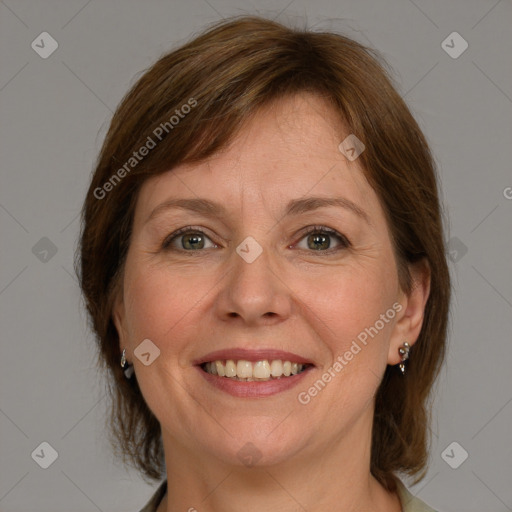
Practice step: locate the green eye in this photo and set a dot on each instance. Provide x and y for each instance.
(191, 240)
(319, 242)
(321, 239)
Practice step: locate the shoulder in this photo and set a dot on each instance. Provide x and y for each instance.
(155, 500)
(409, 502)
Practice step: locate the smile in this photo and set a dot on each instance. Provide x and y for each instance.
(253, 371)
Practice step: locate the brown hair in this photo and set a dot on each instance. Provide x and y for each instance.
(226, 74)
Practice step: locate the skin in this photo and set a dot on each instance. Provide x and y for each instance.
(292, 297)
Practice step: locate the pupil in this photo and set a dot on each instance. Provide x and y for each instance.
(319, 242)
(193, 241)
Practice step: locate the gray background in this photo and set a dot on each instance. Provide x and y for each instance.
(54, 114)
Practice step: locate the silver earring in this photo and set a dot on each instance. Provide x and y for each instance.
(128, 368)
(404, 354)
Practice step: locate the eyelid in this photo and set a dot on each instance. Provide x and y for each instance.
(166, 244)
(344, 241)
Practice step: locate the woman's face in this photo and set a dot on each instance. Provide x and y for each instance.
(285, 255)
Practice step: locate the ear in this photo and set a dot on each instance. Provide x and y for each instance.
(410, 318)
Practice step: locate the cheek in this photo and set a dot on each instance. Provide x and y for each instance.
(161, 304)
(347, 302)
(346, 313)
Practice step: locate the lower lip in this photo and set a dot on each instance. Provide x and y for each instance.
(254, 389)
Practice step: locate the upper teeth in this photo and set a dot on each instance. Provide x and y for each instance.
(259, 370)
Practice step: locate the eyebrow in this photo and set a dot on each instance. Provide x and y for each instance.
(294, 207)
(298, 206)
(202, 206)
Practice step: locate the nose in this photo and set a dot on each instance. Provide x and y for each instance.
(254, 293)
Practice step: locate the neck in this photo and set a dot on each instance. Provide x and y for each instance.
(335, 476)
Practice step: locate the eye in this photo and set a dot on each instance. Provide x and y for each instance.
(320, 238)
(188, 239)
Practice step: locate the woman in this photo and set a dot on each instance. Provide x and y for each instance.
(262, 251)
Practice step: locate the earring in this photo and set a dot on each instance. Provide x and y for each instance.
(128, 368)
(404, 354)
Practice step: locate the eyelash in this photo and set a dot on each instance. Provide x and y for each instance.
(344, 241)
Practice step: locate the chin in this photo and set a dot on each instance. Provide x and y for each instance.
(255, 443)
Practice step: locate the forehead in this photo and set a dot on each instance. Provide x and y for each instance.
(286, 150)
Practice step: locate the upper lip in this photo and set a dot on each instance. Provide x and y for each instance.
(252, 355)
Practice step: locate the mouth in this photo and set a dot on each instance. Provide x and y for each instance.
(253, 373)
(258, 371)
